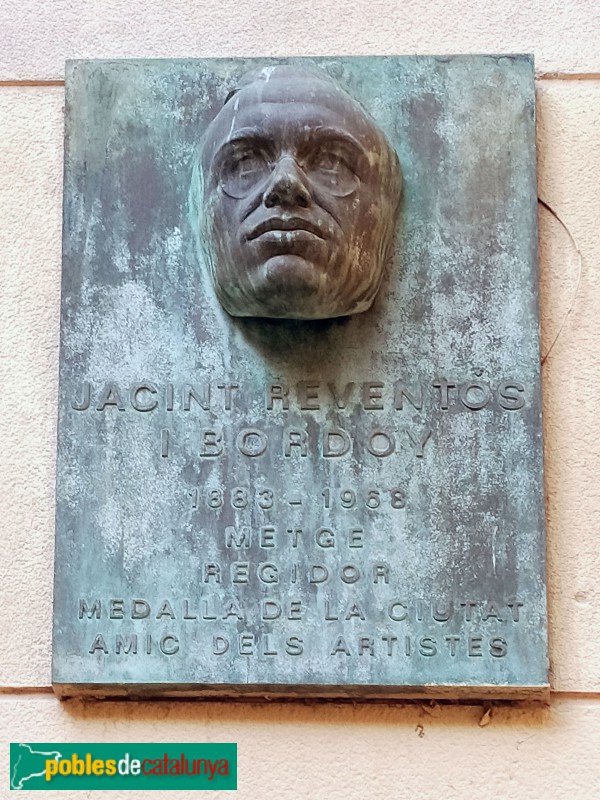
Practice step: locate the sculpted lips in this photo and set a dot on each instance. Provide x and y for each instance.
(284, 224)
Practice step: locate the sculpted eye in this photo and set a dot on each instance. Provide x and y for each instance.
(329, 168)
(242, 171)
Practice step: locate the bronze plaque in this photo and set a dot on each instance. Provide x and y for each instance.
(299, 428)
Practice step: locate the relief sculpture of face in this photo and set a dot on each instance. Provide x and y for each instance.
(300, 197)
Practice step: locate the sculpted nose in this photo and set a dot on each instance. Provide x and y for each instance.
(287, 186)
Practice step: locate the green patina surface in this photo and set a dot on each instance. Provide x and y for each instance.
(383, 533)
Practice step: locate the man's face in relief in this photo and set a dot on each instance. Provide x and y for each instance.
(301, 191)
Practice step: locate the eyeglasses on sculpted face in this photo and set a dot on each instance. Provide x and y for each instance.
(301, 193)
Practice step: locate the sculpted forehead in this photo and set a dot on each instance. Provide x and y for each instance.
(290, 105)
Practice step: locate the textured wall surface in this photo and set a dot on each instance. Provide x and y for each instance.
(38, 37)
(347, 752)
(302, 750)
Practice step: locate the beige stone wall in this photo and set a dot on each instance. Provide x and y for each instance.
(303, 750)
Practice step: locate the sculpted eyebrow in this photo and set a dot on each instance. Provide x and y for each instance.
(336, 135)
(247, 136)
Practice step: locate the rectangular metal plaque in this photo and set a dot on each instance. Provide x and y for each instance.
(350, 506)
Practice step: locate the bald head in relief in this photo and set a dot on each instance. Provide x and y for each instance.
(299, 197)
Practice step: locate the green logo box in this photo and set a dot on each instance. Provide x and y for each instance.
(123, 765)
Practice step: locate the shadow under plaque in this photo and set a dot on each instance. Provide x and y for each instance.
(299, 445)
